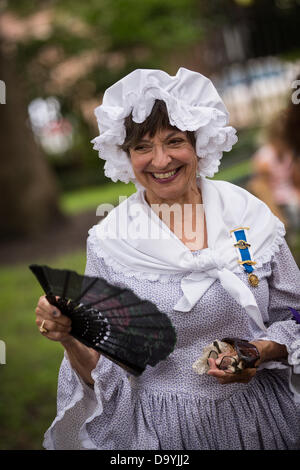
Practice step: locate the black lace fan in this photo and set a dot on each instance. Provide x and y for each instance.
(129, 331)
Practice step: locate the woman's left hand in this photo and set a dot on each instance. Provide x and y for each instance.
(244, 376)
(268, 351)
(225, 376)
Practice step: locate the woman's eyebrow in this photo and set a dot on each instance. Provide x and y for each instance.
(143, 141)
(172, 134)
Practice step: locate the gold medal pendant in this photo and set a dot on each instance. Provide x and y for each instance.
(253, 280)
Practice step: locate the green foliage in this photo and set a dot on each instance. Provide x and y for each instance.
(236, 172)
(61, 37)
(152, 23)
(244, 148)
(26, 7)
(140, 34)
(120, 24)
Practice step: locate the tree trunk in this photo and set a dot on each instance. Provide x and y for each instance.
(29, 201)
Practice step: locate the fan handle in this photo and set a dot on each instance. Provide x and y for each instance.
(58, 303)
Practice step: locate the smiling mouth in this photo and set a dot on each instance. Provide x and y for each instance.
(167, 176)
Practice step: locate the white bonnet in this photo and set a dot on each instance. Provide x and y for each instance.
(192, 102)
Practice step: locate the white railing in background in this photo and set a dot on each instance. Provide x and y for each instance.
(256, 90)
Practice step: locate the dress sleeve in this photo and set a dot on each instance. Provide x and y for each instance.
(284, 292)
(79, 404)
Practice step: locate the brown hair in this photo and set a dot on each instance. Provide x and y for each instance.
(285, 127)
(156, 121)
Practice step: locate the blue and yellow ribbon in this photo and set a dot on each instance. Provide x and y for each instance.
(244, 251)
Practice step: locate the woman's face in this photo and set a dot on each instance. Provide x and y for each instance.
(165, 165)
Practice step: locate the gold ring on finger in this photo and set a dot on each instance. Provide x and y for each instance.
(42, 329)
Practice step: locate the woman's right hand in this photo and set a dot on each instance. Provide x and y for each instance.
(56, 326)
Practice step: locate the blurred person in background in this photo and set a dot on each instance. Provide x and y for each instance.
(276, 168)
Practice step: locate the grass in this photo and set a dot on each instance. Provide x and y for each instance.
(87, 199)
(29, 377)
(236, 172)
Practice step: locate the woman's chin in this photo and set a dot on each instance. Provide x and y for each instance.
(165, 194)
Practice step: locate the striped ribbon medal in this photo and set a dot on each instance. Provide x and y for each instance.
(244, 252)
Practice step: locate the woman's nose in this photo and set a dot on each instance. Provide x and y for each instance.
(160, 158)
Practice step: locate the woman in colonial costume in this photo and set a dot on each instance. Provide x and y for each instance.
(208, 254)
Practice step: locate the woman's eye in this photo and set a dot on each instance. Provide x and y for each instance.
(176, 141)
(141, 148)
